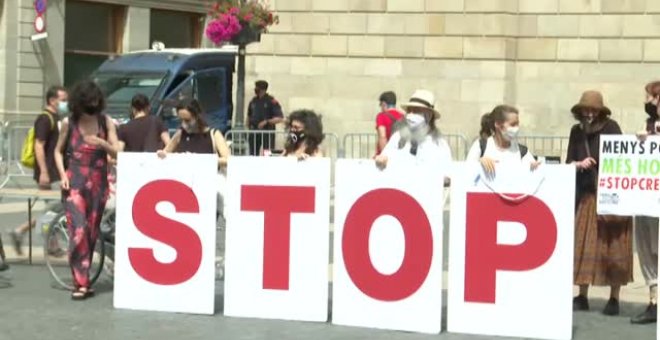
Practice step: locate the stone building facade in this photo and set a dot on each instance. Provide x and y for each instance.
(337, 56)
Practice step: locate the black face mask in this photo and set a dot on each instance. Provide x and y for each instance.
(651, 110)
(296, 137)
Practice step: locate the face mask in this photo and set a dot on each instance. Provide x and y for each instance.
(511, 133)
(296, 137)
(415, 120)
(63, 107)
(651, 110)
(189, 126)
(418, 127)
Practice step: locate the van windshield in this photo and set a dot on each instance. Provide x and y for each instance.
(120, 88)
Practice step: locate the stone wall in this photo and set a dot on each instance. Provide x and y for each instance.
(338, 56)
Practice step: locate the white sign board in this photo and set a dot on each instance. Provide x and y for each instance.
(388, 246)
(511, 251)
(277, 244)
(165, 233)
(629, 176)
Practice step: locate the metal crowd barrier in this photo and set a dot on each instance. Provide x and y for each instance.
(11, 143)
(256, 142)
(546, 146)
(363, 145)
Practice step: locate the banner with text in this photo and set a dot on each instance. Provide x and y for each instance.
(510, 233)
(278, 238)
(388, 246)
(165, 233)
(629, 176)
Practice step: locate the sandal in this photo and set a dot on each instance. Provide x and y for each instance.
(79, 294)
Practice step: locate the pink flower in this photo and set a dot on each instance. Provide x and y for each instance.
(248, 17)
(223, 29)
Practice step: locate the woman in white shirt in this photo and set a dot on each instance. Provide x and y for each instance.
(498, 142)
(417, 138)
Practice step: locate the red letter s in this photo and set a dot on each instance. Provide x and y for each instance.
(179, 236)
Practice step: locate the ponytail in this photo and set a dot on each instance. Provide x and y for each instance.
(498, 115)
(487, 126)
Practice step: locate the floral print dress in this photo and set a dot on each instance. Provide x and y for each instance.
(87, 172)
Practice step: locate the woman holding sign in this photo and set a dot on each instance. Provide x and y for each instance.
(603, 244)
(646, 227)
(305, 135)
(195, 136)
(499, 141)
(418, 139)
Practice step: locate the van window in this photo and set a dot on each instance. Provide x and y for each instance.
(210, 91)
(177, 81)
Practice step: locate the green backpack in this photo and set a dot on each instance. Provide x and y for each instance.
(28, 158)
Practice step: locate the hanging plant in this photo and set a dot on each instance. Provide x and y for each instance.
(239, 21)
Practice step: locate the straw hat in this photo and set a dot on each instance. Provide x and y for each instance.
(591, 100)
(422, 99)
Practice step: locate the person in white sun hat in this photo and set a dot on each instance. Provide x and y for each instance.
(417, 138)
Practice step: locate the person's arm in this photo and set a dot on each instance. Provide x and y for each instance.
(223, 149)
(112, 144)
(382, 137)
(165, 138)
(474, 155)
(171, 146)
(391, 147)
(42, 132)
(276, 114)
(248, 117)
(571, 152)
(59, 154)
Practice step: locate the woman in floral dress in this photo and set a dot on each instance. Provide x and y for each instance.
(89, 139)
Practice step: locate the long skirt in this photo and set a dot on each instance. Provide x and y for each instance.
(603, 251)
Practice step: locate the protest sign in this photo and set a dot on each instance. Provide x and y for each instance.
(388, 246)
(629, 176)
(277, 238)
(165, 233)
(508, 234)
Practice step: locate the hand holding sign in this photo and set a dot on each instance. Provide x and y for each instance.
(586, 164)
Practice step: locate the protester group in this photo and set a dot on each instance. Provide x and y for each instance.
(78, 153)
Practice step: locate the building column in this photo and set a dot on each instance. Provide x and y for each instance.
(137, 30)
(9, 58)
(52, 49)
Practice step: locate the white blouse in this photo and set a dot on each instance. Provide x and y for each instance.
(510, 155)
(435, 153)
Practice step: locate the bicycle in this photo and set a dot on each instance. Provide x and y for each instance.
(56, 247)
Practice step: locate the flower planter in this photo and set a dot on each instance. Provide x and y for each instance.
(246, 36)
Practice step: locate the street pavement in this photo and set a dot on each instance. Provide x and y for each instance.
(31, 308)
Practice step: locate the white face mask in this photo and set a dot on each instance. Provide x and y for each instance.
(415, 120)
(418, 127)
(511, 133)
(63, 107)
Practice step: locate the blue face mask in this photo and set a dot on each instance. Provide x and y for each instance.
(63, 108)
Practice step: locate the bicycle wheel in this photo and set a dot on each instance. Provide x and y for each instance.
(108, 237)
(56, 254)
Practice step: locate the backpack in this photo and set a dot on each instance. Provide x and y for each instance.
(483, 142)
(28, 158)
